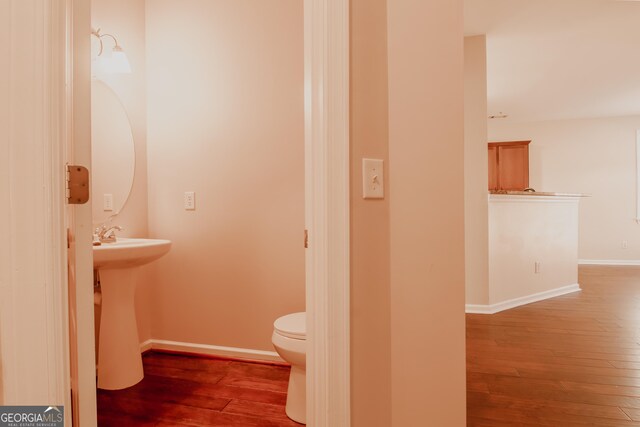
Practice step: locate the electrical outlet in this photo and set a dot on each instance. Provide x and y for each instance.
(190, 201)
(537, 267)
(624, 244)
(107, 202)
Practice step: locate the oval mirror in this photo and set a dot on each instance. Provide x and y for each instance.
(113, 153)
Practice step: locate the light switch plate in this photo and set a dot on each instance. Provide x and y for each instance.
(373, 179)
(190, 201)
(107, 202)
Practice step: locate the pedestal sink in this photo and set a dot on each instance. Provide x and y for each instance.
(119, 358)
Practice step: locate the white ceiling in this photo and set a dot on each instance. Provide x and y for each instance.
(559, 59)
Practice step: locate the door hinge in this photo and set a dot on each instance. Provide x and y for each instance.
(77, 185)
(306, 239)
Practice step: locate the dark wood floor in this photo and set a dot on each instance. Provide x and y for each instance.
(565, 362)
(190, 391)
(568, 361)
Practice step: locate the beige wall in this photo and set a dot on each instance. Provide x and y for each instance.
(549, 236)
(225, 119)
(370, 304)
(593, 156)
(426, 168)
(476, 171)
(125, 19)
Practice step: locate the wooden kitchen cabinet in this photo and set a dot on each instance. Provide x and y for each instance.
(509, 165)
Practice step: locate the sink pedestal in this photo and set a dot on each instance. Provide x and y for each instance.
(119, 358)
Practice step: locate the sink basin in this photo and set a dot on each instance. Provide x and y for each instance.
(117, 264)
(126, 253)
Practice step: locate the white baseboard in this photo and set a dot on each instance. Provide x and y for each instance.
(210, 350)
(609, 261)
(516, 302)
(145, 346)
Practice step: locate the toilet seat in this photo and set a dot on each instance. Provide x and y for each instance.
(292, 326)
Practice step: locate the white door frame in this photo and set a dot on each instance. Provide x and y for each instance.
(326, 208)
(81, 311)
(326, 24)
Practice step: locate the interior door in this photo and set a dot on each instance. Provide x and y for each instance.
(80, 256)
(33, 133)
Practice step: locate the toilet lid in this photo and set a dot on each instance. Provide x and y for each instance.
(292, 325)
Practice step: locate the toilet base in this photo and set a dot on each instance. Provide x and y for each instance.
(296, 408)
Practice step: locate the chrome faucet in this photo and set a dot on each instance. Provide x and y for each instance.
(106, 233)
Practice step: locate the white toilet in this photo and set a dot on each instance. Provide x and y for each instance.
(290, 341)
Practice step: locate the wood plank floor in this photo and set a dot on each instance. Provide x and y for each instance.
(191, 391)
(567, 361)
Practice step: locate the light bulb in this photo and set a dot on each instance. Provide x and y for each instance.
(116, 63)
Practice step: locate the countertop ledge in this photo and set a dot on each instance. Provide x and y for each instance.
(537, 193)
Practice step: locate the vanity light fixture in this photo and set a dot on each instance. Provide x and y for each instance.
(116, 62)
